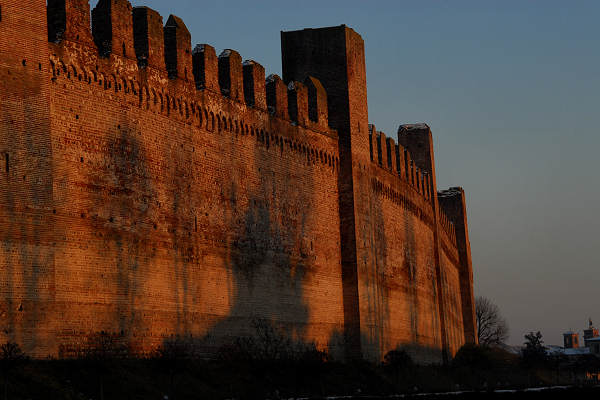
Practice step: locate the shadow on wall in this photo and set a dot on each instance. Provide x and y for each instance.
(28, 213)
(270, 251)
(375, 259)
(123, 219)
(405, 277)
(419, 273)
(264, 235)
(265, 238)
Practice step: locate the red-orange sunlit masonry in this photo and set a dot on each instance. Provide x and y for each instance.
(157, 191)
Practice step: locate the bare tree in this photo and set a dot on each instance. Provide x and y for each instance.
(11, 356)
(492, 329)
(100, 350)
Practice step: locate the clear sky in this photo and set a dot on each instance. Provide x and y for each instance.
(511, 90)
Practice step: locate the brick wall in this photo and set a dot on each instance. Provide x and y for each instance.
(157, 193)
(400, 294)
(220, 222)
(27, 250)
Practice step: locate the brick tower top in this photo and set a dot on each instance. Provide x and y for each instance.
(571, 340)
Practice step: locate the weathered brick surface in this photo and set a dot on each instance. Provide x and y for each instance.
(173, 194)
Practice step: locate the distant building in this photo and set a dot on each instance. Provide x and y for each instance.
(571, 340)
(594, 345)
(591, 337)
(590, 334)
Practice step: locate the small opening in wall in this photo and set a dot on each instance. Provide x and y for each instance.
(76, 116)
(54, 211)
(80, 159)
(124, 52)
(111, 219)
(40, 66)
(24, 62)
(6, 163)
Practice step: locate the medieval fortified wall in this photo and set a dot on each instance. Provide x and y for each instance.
(160, 193)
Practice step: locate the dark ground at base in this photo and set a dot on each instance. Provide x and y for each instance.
(571, 393)
(146, 379)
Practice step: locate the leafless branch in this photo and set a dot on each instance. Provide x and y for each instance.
(492, 329)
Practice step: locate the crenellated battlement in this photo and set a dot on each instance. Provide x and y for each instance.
(255, 92)
(134, 39)
(178, 49)
(277, 96)
(112, 28)
(69, 20)
(206, 68)
(196, 110)
(448, 226)
(397, 160)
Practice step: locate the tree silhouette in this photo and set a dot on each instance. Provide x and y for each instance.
(100, 351)
(172, 356)
(492, 329)
(11, 356)
(534, 352)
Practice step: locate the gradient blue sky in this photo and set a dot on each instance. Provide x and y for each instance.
(511, 92)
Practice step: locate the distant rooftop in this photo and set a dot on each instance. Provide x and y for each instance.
(567, 352)
(576, 352)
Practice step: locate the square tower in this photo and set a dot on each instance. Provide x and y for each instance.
(571, 340)
(336, 57)
(590, 334)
